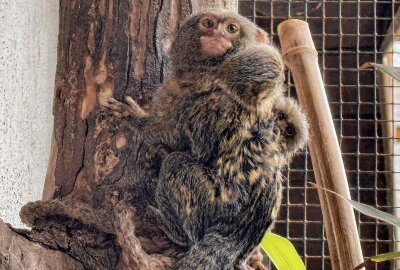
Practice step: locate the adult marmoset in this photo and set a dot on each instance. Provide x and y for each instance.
(222, 212)
(202, 43)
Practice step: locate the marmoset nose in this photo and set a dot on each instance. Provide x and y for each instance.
(218, 31)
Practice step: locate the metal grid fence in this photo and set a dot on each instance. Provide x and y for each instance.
(346, 35)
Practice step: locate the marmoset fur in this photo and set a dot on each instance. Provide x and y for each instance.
(223, 212)
(223, 104)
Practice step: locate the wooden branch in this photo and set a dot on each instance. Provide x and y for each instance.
(16, 252)
(99, 239)
(341, 229)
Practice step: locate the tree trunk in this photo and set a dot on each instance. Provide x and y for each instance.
(97, 185)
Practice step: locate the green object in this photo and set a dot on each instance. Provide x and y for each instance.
(281, 252)
(379, 258)
(389, 70)
(386, 256)
(366, 209)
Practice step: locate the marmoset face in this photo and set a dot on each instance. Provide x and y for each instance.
(218, 35)
(209, 37)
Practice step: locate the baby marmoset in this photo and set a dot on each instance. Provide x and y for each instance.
(219, 104)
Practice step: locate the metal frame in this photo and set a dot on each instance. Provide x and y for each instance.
(346, 34)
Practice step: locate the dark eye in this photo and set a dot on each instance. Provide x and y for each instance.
(290, 132)
(207, 23)
(281, 116)
(232, 28)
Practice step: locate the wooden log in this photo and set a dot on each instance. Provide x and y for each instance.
(300, 55)
(106, 48)
(17, 253)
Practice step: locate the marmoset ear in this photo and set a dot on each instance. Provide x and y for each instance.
(262, 37)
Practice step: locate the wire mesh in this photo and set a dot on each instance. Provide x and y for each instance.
(346, 35)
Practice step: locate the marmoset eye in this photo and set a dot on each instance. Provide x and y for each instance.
(232, 28)
(290, 132)
(207, 23)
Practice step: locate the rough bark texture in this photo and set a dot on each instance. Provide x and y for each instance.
(97, 185)
(99, 239)
(16, 253)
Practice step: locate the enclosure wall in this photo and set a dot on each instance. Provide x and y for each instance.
(28, 41)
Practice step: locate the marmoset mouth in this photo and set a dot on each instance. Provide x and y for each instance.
(214, 46)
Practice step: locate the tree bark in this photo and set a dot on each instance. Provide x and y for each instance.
(96, 187)
(16, 252)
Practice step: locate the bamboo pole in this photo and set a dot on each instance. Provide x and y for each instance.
(301, 57)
